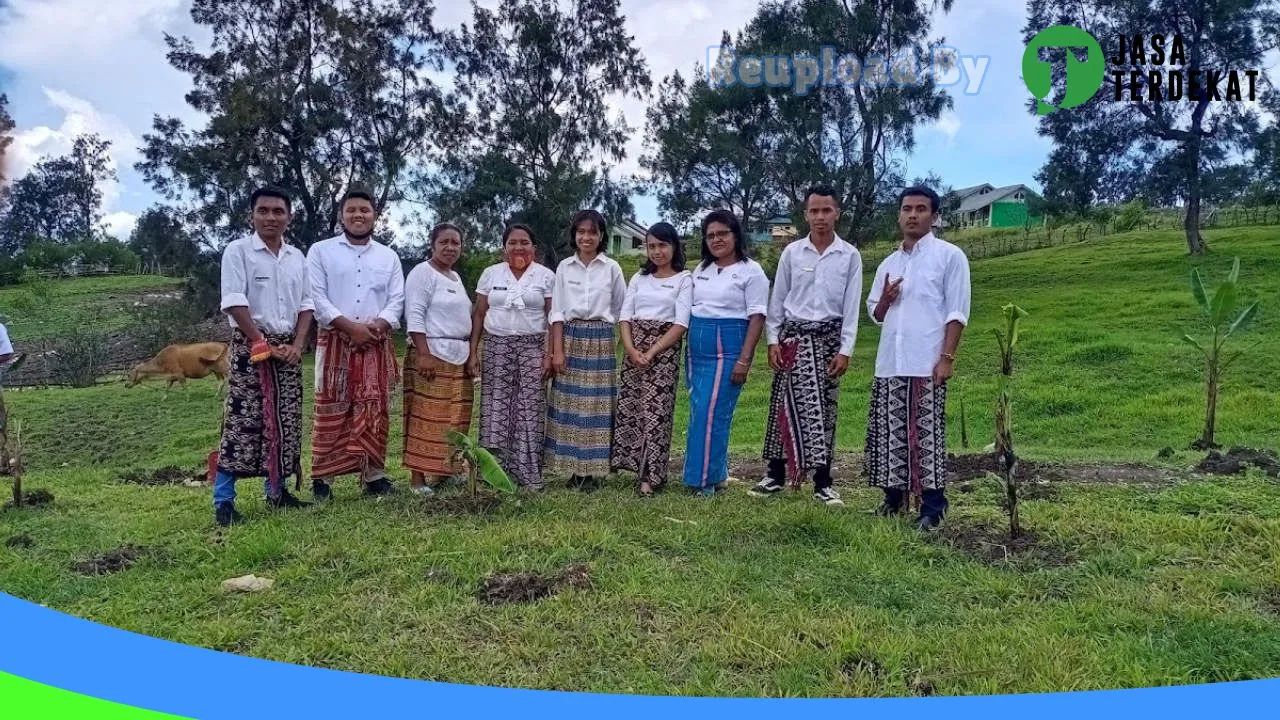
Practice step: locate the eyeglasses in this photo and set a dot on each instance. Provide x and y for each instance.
(720, 235)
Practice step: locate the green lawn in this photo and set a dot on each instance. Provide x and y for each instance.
(1135, 584)
(45, 309)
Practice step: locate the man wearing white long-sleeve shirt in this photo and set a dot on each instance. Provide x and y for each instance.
(358, 287)
(812, 326)
(920, 297)
(267, 297)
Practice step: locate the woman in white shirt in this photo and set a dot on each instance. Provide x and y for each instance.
(655, 316)
(730, 299)
(585, 304)
(513, 298)
(438, 391)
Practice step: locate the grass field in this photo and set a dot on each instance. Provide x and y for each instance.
(1169, 580)
(45, 309)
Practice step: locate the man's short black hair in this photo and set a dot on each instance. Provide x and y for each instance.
(922, 191)
(357, 194)
(824, 191)
(270, 191)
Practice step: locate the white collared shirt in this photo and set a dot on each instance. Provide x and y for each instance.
(662, 299)
(588, 292)
(817, 287)
(935, 292)
(737, 291)
(516, 307)
(274, 287)
(359, 282)
(6, 347)
(438, 307)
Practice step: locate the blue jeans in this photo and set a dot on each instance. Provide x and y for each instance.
(224, 487)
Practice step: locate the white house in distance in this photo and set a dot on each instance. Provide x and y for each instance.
(626, 237)
(988, 206)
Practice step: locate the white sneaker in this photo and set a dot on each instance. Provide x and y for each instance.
(425, 491)
(827, 496)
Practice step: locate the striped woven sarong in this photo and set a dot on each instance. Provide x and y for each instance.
(907, 435)
(262, 422)
(581, 403)
(714, 345)
(513, 404)
(432, 408)
(352, 415)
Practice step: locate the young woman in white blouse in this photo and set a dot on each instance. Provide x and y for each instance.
(585, 305)
(655, 316)
(438, 390)
(513, 363)
(730, 299)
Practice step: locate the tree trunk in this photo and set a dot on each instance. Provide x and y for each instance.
(1191, 223)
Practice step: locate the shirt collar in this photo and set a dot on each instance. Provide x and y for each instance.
(837, 245)
(923, 242)
(574, 258)
(257, 243)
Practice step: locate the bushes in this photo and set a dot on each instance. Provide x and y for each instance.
(78, 357)
(72, 259)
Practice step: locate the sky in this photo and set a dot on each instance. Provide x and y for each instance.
(75, 66)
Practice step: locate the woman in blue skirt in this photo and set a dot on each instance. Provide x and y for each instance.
(730, 298)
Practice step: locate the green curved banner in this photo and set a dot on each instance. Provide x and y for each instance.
(22, 699)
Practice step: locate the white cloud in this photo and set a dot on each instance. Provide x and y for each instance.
(46, 33)
(120, 224)
(948, 124)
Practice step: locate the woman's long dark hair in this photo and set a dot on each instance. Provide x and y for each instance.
(595, 217)
(664, 232)
(724, 217)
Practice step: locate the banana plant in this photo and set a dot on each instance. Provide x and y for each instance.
(1008, 342)
(1223, 322)
(480, 463)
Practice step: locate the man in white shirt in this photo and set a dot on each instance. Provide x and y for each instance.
(811, 327)
(6, 354)
(358, 286)
(267, 297)
(920, 297)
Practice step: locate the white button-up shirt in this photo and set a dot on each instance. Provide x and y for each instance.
(737, 291)
(274, 287)
(359, 282)
(588, 292)
(6, 347)
(817, 287)
(662, 299)
(934, 292)
(438, 307)
(516, 307)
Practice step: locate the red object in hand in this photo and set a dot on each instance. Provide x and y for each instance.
(259, 351)
(213, 466)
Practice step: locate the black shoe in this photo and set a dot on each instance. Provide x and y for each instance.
(887, 510)
(590, 484)
(768, 486)
(286, 501)
(381, 486)
(575, 482)
(225, 515)
(927, 523)
(320, 491)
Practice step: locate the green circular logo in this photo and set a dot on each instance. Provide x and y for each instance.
(1083, 78)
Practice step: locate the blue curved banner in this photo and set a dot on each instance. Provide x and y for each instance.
(57, 650)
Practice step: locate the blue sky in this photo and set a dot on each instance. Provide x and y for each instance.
(72, 66)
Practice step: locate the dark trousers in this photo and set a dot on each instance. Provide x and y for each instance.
(933, 503)
(821, 476)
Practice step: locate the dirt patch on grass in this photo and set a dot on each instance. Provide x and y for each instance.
(861, 665)
(170, 475)
(994, 546)
(482, 504)
(34, 499)
(502, 588)
(20, 541)
(1237, 459)
(122, 558)
(1270, 602)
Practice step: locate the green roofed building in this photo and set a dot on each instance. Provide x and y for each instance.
(988, 206)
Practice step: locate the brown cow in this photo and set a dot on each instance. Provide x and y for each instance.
(178, 363)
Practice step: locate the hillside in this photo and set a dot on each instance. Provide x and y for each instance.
(1133, 576)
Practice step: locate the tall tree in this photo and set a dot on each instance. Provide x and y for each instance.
(6, 138)
(162, 242)
(527, 132)
(1115, 151)
(60, 199)
(313, 95)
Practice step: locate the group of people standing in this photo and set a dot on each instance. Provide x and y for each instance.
(543, 346)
